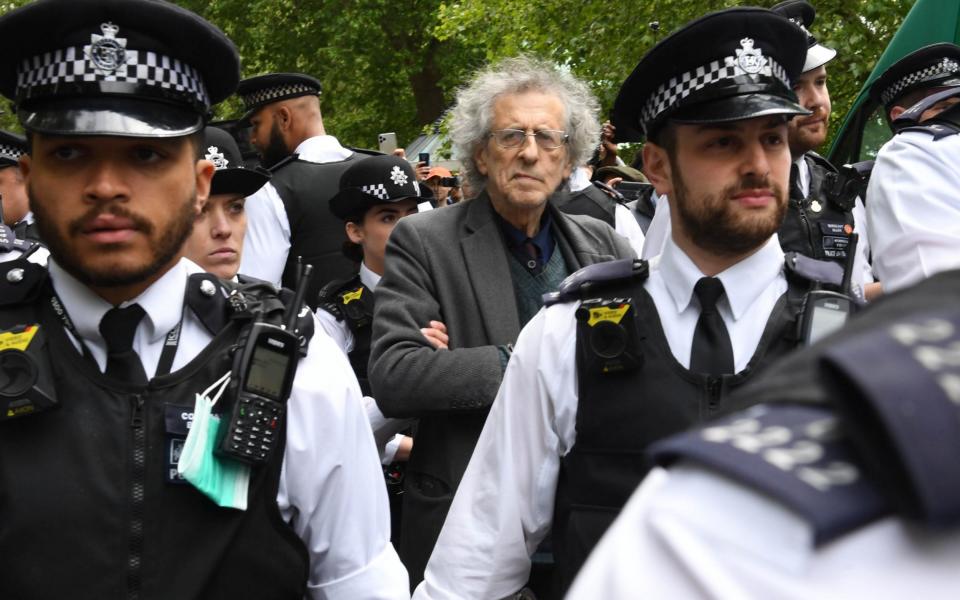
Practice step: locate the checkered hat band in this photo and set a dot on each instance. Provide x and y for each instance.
(378, 190)
(10, 152)
(681, 86)
(267, 95)
(72, 65)
(944, 67)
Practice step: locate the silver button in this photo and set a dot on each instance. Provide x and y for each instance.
(207, 288)
(815, 206)
(531, 264)
(15, 275)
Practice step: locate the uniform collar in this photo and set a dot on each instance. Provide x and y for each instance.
(368, 277)
(742, 283)
(803, 171)
(162, 302)
(322, 149)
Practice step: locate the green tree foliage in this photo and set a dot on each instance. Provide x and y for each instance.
(394, 66)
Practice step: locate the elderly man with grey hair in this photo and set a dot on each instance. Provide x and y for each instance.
(461, 282)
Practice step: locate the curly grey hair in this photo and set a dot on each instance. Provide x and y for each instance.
(472, 115)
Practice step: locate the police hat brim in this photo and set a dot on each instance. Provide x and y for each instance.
(109, 115)
(739, 108)
(817, 56)
(351, 204)
(238, 181)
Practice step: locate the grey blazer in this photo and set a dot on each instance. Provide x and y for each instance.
(450, 265)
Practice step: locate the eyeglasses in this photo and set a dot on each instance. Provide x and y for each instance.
(548, 139)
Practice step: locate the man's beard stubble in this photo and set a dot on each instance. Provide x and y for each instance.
(163, 249)
(710, 222)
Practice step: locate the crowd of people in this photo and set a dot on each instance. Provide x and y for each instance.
(727, 369)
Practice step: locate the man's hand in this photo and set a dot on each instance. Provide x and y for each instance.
(423, 169)
(436, 334)
(608, 148)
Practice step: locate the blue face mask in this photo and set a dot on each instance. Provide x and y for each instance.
(224, 481)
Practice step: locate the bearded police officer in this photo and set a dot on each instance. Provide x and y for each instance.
(843, 484)
(128, 345)
(822, 213)
(912, 208)
(651, 349)
(289, 218)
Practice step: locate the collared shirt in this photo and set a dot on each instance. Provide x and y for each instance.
(267, 242)
(803, 175)
(913, 212)
(386, 431)
(668, 542)
(517, 242)
(504, 506)
(331, 487)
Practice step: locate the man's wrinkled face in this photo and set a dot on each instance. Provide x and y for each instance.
(266, 137)
(727, 183)
(115, 210)
(809, 133)
(524, 177)
(216, 243)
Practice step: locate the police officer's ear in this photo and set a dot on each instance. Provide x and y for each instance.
(657, 168)
(25, 165)
(355, 232)
(204, 175)
(283, 117)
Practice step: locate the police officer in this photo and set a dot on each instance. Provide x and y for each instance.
(650, 350)
(374, 195)
(125, 336)
(290, 217)
(822, 213)
(16, 206)
(914, 217)
(843, 484)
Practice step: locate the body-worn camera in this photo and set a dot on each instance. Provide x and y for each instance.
(26, 379)
(608, 335)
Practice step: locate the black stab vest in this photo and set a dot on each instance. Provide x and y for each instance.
(353, 302)
(87, 508)
(620, 414)
(315, 233)
(819, 234)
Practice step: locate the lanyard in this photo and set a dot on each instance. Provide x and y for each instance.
(170, 343)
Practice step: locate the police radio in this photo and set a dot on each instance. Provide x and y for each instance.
(824, 311)
(262, 377)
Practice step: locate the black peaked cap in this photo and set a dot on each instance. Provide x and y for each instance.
(231, 177)
(728, 65)
(382, 179)
(802, 13)
(257, 92)
(12, 147)
(114, 67)
(936, 65)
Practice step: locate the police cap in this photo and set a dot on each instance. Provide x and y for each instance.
(726, 66)
(12, 147)
(141, 68)
(936, 65)
(802, 13)
(231, 176)
(257, 92)
(376, 180)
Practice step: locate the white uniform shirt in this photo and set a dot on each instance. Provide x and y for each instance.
(331, 485)
(386, 431)
(267, 242)
(692, 533)
(913, 208)
(504, 505)
(659, 230)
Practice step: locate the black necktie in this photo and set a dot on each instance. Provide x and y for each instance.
(118, 327)
(795, 191)
(711, 352)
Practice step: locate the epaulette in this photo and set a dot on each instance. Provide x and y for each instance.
(910, 118)
(286, 161)
(937, 130)
(591, 277)
(328, 298)
(794, 454)
(823, 162)
(899, 386)
(20, 281)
